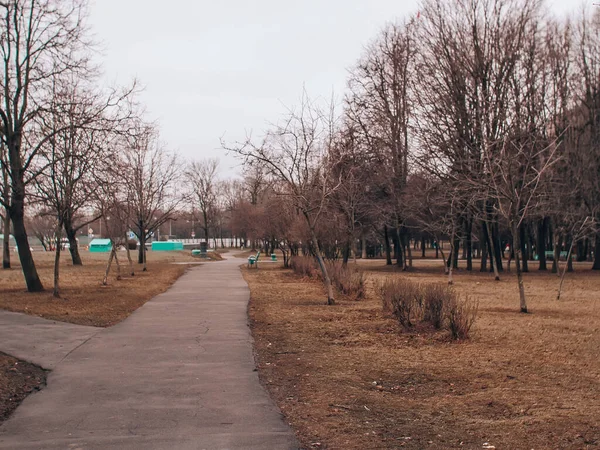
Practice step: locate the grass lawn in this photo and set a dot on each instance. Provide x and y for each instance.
(347, 377)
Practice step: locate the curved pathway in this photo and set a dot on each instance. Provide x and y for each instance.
(179, 373)
(40, 341)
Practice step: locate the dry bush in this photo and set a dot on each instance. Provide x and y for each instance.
(437, 304)
(348, 280)
(436, 297)
(461, 316)
(305, 266)
(402, 298)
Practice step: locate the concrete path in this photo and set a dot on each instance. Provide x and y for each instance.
(40, 341)
(177, 374)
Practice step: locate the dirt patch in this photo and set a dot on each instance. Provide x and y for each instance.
(347, 377)
(17, 380)
(83, 298)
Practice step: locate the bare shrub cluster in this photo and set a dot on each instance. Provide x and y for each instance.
(437, 304)
(305, 266)
(348, 280)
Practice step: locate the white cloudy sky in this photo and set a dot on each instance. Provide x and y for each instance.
(215, 68)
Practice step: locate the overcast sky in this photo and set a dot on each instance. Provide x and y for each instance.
(214, 68)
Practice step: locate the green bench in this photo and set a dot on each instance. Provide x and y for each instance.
(253, 260)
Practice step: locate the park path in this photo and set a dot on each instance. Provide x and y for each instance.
(179, 373)
(40, 341)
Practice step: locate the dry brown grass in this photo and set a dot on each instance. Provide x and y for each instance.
(84, 300)
(347, 377)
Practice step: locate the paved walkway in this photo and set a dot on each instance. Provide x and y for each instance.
(177, 374)
(40, 341)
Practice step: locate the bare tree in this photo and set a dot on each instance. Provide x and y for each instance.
(151, 175)
(380, 109)
(83, 125)
(516, 174)
(586, 112)
(40, 39)
(296, 153)
(201, 178)
(43, 226)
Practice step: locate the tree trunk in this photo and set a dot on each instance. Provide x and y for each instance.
(562, 277)
(495, 236)
(6, 241)
(541, 242)
(596, 265)
(32, 279)
(469, 243)
(423, 246)
(205, 227)
(6, 223)
(453, 254)
(523, 241)
(328, 286)
(557, 248)
(107, 271)
(517, 250)
(73, 246)
(408, 251)
(145, 256)
(491, 247)
(131, 271)
(483, 245)
(398, 249)
(454, 249)
(569, 245)
(363, 247)
(117, 260)
(58, 248)
(581, 250)
(346, 253)
(388, 250)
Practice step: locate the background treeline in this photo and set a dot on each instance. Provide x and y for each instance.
(474, 121)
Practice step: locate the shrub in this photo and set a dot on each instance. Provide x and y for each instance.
(304, 266)
(435, 299)
(461, 316)
(437, 304)
(401, 298)
(132, 244)
(348, 280)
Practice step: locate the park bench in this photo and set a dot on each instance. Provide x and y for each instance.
(253, 260)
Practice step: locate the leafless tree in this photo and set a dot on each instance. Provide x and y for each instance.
(586, 112)
(40, 39)
(83, 127)
(516, 173)
(295, 153)
(151, 175)
(380, 107)
(201, 177)
(43, 226)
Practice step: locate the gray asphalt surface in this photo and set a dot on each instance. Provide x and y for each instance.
(40, 341)
(179, 373)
